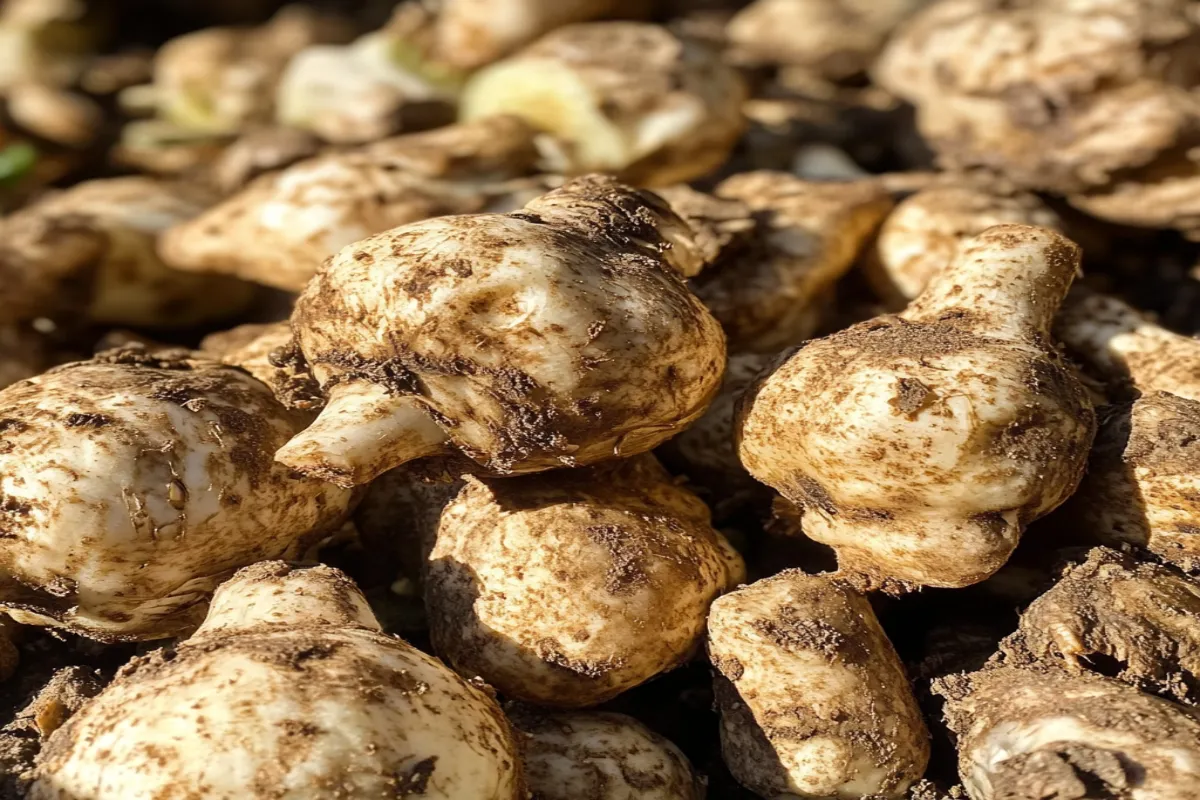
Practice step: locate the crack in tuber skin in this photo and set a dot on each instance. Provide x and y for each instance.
(283, 226)
(620, 97)
(560, 335)
(1144, 472)
(130, 485)
(814, 701)
(919, 446)
(289, 688)
(569, 588)
(1029, 734)
(600, 756)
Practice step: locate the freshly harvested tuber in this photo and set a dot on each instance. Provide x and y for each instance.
(600, 756)
(131, 485)
(922, 236)
(1142, 617)
(90, 250)
(560, 335)
(778, 244)
(623, 97)
(814, 702)
(288, 689)
(282, 227)
(267, 352)
(1144, 472)
(568, 588)
(919, 446)
(1031, 734)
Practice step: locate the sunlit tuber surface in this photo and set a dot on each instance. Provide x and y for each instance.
(1029, 734)
(267, 351)
(837, 38)
(919, 446)
(91, 250)
(568, 588)
(778, 245)
(1141, 618)
(279, 229)
(560, 335)
(288, 689)
(132, 484)
(814, 702)
(1144, 472)
(922, 236)
(622, 97)
(600, 756)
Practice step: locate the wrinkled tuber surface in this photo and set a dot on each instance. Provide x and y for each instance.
(560, 335)
(622, 97)
(133, 484)
(568, 588)
(1142, 618)
(282, 227)
(779, 244)
(289, 688)
(919, 446)
(1028, 734)
(813, 699)
(600, 756)
(922, 236)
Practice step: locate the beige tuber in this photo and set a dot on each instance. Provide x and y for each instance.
(131, 485)
(288, 689)
(623, 97)
(1144, 471)
(560, 335)
(600, 756)
(1035, 733)
(919, 446)
(814, 702)
(282, 227)
(568, 588)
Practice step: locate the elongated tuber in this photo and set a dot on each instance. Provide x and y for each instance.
(289, 688)
(919, 446)
(568, 588)
(814, 702)
(622, 97)
(560, 335)
(133, 484)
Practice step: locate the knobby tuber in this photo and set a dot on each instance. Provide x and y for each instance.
(289, 688)
(560, 335)
(919, 446)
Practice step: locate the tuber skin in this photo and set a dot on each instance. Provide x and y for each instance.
(780, 244)
(622, 97)
(1029, 734)
(1142, 616)
(569, 588)
(91, 249)
(560, 335)
(1144, 471)
(282, 227)
(920, 445)
(267, 352)
(922, 236)
(257, 152)
(133, 484)
(289, 688)
(600, 756)
(814, 702)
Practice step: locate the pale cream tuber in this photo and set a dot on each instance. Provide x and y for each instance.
(133, 484)
(288, 689)
(568, 588)
(623, 97)
(919, 446)
(600, 756)
(560, 335)
(280, 228)
(814, 702)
